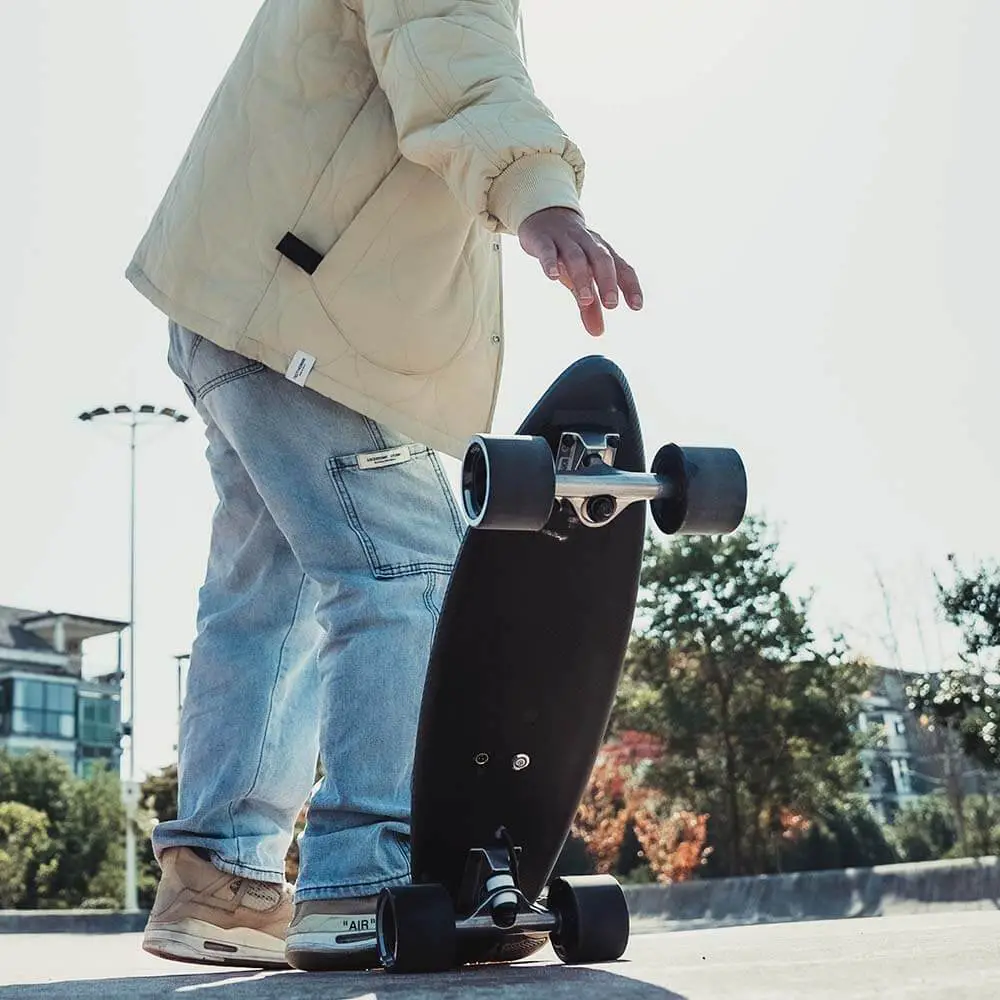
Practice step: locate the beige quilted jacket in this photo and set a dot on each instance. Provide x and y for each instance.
(383, 145)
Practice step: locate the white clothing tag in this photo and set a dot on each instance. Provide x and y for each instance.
(380, 459)
(298, 371)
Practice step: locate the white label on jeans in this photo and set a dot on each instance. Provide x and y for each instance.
(299, 369)
(380, 459)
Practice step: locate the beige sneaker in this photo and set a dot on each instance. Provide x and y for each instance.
(332, 934)
(328, 935)
(202, 914)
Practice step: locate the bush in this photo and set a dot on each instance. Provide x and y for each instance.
(101, 903)
(626, 825)
(844, 835)
(925, 830)
(78, 852)
(982, 823)
(91, 841)
(24, 841)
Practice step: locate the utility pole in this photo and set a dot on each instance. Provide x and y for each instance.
(134, 419)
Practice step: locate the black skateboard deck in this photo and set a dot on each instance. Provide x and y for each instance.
(522, 676)
(526, 661)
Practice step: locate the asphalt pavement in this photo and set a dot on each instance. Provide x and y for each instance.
(953, 955)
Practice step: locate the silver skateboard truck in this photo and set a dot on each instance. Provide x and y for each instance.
(420, 928)
(515, 483)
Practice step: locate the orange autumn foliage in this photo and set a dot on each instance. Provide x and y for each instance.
(674, 847)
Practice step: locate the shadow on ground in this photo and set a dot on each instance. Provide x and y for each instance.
(525, 982)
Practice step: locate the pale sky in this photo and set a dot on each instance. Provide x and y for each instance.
(808, 190)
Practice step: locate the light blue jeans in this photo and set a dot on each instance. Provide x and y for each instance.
(331, 548)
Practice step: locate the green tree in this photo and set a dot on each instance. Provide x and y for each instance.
(927, 829)
(841, 834)
(159, 793)
(90, 839)
(971, 602)
(961, 706)
(24, 843)
(966, 701)
(965, 704)
(41, 781)
(756, 719)
(38, 779)
(83, 855)
(159, 800)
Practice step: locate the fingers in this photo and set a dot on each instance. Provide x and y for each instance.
(593, 318)
(581, 260)
(548, 256)
(625, 277)
(628, 281)
(574, 259)
(591, 313)
(588, 261)
(585, 261)
(602, 265)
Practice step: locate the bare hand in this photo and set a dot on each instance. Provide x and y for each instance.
(578, 257)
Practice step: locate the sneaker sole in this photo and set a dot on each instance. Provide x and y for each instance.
(202, 943)
(316, 953)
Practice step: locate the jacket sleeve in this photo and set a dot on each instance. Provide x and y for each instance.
(464, 106)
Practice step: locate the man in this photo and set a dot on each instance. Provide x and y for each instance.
(328, 257)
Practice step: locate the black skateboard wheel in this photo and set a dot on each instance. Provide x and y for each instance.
(593, 919)
(508, 483)
(711, 498)
(415, 929)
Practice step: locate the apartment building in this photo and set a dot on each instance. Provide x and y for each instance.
(903, 760)
(51, 696)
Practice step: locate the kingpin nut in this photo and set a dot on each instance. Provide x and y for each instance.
(600, 509)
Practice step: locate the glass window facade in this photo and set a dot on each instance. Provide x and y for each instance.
(37, 708)
(99, 724)
(6, 705)
(35, 711)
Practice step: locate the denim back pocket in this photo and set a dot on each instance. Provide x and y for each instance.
(399, 504)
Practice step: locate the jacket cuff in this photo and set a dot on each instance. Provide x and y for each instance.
(530, 184)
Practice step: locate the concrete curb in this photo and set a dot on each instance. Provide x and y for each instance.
(70, 922)
(969, 883)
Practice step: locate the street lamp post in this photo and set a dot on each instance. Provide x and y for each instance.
(134, 419)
